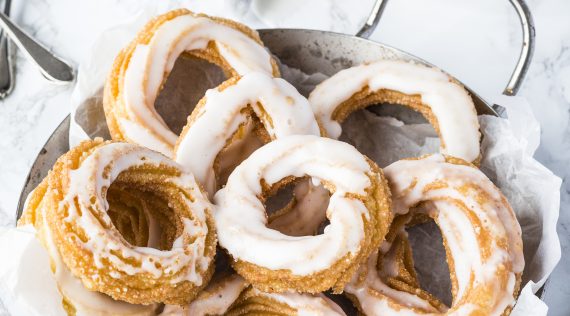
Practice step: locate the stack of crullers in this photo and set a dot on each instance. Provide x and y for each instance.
(155, 223)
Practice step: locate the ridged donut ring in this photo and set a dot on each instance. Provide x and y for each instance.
(359, 214)
(223, 113)
(481, 236)
(215, 299)
(254, 302)
(142, 218)
(72, 202)
(233, 296)
(140, 69)
(439, 98)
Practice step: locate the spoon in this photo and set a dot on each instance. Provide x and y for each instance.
(52, 68)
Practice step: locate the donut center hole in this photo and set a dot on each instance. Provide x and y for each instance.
(430, 260)
(184, 87)
(405, 132)
(144, 218)
(297, 207)
(242, 144)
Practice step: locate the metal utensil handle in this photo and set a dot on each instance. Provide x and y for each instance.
(6, 63)
(525, 56)
(53, 68)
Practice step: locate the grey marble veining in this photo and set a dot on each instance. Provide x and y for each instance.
(476, 41)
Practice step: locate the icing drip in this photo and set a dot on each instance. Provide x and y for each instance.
(449, 102)
(241, 219)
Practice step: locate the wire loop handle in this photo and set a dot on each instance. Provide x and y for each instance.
(527, 50)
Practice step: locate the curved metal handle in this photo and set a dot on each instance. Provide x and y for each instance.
(527, 50)
(370, 25)
(53, 68)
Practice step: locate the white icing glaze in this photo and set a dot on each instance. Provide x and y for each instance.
(98, 171)
(449, 102)
(149, 64)
(409, 180)
(277, 103)
(85, 302)
(241, 219)
(216, 298)
(141, 135)
(306, 304)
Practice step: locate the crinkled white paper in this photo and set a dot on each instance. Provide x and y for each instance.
(508, 146)
(27, 286)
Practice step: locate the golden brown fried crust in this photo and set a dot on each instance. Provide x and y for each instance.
(248, 303)
(112, 99)
(366, 97)
(131, 211)
(69, 236)
(377, 201)
(406, 280)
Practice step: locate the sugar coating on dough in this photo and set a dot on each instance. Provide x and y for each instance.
(70, 209)
(255, 302)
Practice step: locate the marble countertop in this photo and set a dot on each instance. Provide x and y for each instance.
(476, 41)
